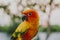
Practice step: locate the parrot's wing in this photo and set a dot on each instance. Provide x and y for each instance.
(21, 29)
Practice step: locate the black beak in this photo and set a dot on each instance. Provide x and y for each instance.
(24, 18)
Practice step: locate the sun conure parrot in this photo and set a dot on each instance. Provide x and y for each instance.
(29, 27)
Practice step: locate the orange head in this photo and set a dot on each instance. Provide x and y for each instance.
(31, 16)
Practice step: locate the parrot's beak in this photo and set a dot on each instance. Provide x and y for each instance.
(24, 18)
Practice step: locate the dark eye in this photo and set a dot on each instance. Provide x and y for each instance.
(29, 14)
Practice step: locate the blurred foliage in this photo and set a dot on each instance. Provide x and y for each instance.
(15, 24)
(51, 1)
(4, 29)
(53, 28)
(10, 30)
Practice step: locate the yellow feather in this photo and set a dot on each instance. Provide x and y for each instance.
(22, 28)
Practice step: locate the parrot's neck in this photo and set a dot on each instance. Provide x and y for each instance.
(35, 22)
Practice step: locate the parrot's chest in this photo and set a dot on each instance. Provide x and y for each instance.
(29, 34)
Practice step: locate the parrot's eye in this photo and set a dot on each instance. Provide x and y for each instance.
(29, 14)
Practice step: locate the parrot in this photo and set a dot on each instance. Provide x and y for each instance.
(29, 26)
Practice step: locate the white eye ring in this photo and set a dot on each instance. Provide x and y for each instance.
(29, 14)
